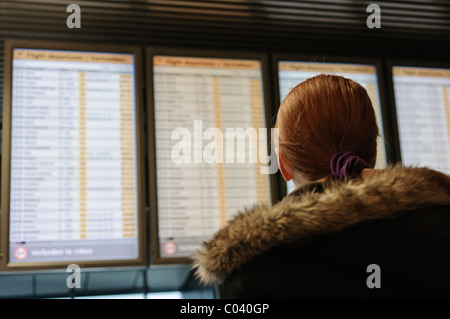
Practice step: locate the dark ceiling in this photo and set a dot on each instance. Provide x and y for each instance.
(418, 28)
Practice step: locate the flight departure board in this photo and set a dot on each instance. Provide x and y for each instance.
(422, 100)
(293, 72)
(74, 158)
(197, 101)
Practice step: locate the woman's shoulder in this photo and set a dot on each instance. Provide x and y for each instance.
(410, 254)
(319, 208)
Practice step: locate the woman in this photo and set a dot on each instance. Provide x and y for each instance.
(348, 230)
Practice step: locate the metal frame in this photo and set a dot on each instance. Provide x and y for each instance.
(10, 44)
(156, 259)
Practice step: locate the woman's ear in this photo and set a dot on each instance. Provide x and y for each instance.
(284, 167)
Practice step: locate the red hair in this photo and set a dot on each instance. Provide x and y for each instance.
(321, 116)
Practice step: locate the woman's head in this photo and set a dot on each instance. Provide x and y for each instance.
(320, 117)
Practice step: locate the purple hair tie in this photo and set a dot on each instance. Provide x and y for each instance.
(345, 164)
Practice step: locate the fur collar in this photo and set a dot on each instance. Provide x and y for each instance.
(379, 194)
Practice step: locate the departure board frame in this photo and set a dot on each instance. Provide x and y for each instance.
(82, 47)
(413, 63)
(355, 60)
(262, 58)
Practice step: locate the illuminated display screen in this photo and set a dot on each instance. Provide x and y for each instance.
(197, 194)
(73, 157)
(422, 99)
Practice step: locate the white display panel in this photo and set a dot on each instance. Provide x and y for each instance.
(291, 73)
(196, 196)
(73, 170)
(422, 100)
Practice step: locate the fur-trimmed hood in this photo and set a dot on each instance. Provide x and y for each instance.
(379, 194)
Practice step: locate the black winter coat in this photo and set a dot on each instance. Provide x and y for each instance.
(383, 235)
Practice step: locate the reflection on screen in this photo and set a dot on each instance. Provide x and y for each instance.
(73, 186)
(422, 99)
(197, 196)
(291, 73)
